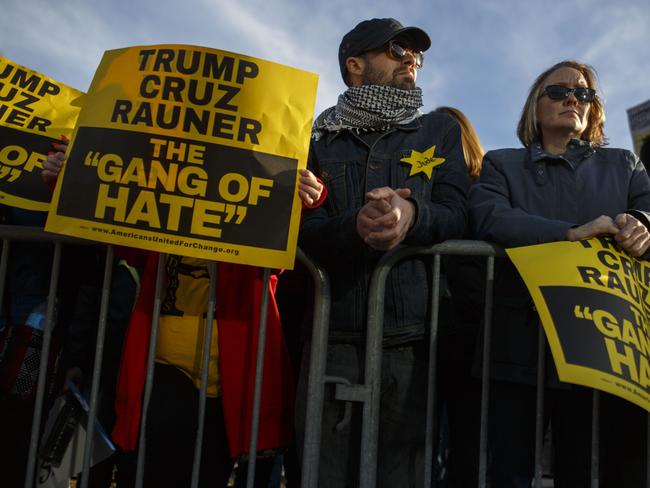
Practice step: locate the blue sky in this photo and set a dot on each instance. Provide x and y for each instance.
(484, 54)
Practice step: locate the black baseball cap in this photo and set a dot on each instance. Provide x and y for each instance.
(373, 34)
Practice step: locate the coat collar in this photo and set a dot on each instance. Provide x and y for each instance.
(577, 150)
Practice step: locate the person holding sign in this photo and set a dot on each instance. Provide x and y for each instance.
(172, 413)
(395, 177)
(563, 185)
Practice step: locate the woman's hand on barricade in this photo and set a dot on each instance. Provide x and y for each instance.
(633, 236)
(603, 225)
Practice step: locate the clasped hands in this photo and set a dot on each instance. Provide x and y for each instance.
(385, 219)
(628, 232)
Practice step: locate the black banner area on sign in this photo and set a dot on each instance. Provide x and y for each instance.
(576, 311)
(21, 153)
(255, 189)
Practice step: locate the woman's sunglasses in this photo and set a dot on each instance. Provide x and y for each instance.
(559, 92)
(396, 51)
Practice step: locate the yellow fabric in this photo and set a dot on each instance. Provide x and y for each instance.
(182, 322)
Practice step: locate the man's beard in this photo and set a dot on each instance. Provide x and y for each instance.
(373, 76)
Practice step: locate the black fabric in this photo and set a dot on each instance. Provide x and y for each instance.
(511, 442)
(15, 428)
(171, 434)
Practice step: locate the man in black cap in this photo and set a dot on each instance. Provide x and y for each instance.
(395, 177)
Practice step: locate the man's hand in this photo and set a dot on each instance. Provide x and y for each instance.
(632, 236)
(386, 218)
(597, 227)
(367, 216)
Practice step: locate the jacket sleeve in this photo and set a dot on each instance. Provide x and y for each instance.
(493, 217)
(444, 214)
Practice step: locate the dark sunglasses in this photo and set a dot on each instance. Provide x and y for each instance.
(559, 92)
(396, 51)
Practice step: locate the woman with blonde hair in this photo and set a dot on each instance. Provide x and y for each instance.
(550, 190)
(472, 147)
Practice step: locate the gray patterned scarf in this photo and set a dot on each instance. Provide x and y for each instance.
(369, 107)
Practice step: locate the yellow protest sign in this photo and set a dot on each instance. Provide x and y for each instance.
(191, 151)
(34, 112)
(593, 303)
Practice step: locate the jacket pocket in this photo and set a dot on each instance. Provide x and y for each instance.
(333, 175)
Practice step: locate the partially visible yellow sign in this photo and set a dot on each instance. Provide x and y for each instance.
(594, 304)
(34, 112)
(191, 151)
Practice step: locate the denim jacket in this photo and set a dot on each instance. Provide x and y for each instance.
(349, 168)
(526, 197)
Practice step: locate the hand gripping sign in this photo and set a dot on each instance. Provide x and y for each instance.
(594, 304)
(34, 112)
(191, 151)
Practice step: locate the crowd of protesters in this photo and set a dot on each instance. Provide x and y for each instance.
(381, 175)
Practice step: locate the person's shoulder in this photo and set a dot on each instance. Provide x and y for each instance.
(617, 155)
(614, 152)
(509, 155)
(438, 119)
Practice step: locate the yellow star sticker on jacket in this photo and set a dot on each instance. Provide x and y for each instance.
(423, 162)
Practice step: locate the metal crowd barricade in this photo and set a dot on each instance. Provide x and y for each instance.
(19, 233)
(368, 393)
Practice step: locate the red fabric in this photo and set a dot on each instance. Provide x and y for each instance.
(238, 304)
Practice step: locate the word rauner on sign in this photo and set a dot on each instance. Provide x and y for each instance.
(199, 104)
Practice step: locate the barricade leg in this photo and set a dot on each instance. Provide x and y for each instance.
(97, 367)
(485, 377)
(142, 445)
(259, 376)
(595, 439)
(205, 367)
(539, 407)
(431, 387)
(316, 375)
(42, 374)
